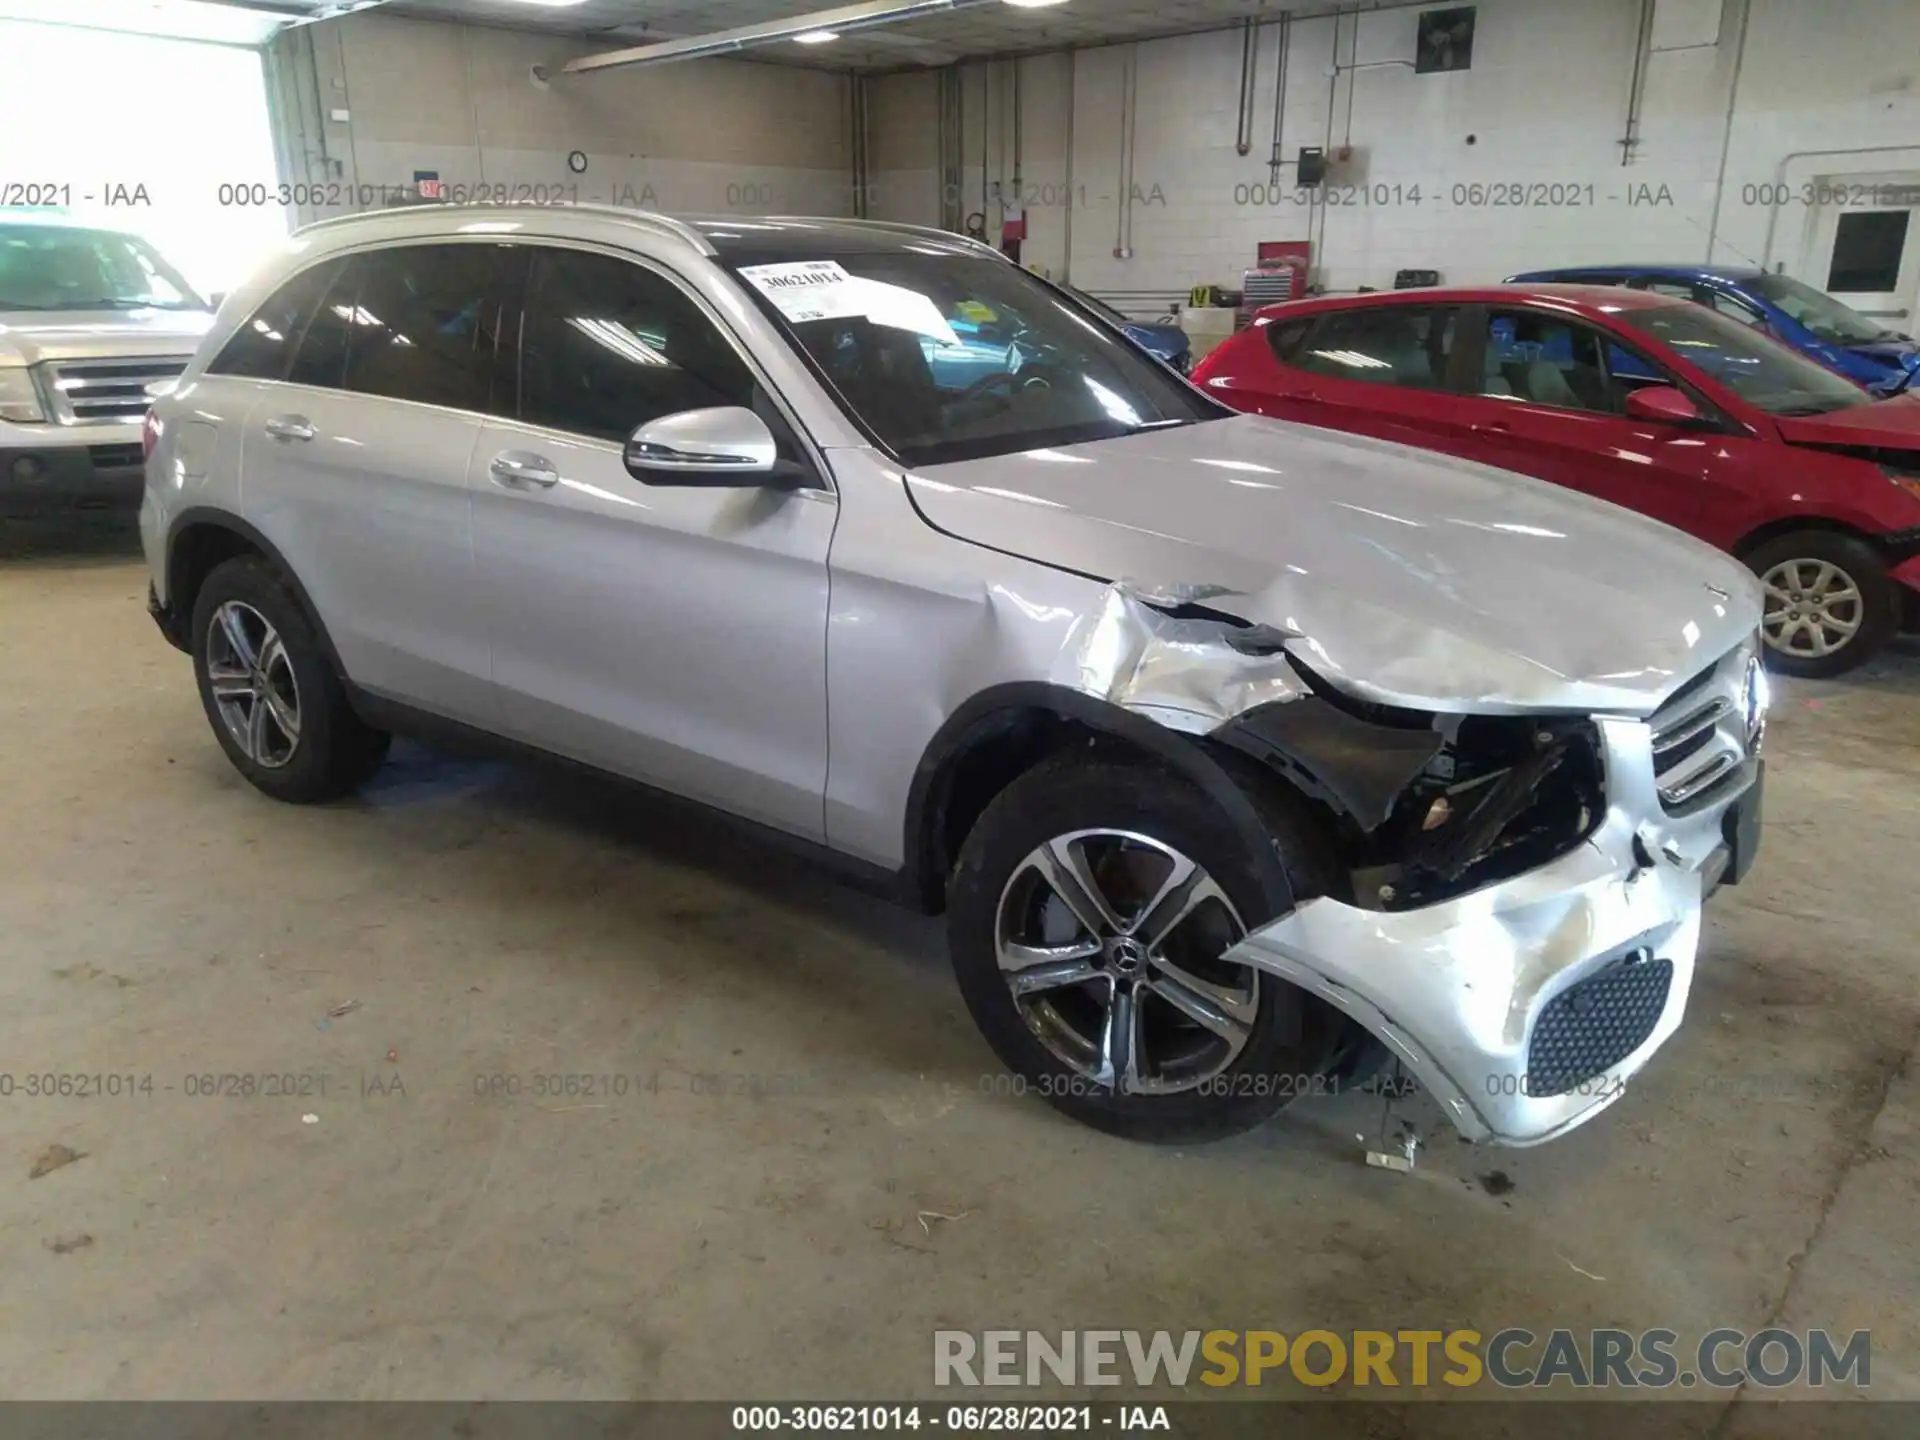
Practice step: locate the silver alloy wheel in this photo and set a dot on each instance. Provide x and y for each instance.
(1110, 942)
(1813, 608)
(253, 684)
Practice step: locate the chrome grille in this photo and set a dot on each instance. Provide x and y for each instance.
(92, 392)
(1700, 735)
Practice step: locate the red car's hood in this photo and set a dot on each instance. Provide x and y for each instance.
(1888, 424)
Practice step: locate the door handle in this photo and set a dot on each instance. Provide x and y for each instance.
(290, 427)
(523, 470)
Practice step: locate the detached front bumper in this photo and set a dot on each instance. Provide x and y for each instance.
(1525, 1007)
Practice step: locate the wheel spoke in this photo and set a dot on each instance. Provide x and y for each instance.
(228, 684)
(1171, 908)
(1056, 975)
(1120, 1043)
(1016, 956)
(286, 718)
(1203, 1010)
(235, 631)
(258, 724)
(1062, 863)
(1230, 1005)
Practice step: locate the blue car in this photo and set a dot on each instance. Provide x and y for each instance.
(1163, 342)
(1794, 313)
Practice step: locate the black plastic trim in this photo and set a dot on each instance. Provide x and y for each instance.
(1355, 765)
(984, 714)
(206, 515)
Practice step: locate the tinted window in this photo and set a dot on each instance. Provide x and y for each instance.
(1725, 304)
(322, 357)
(425, 323)
(1825, 316)
(945, 355)
(609, 345)
(1547, 361)
(1285, 339)
(263, 347)
(1406, 345)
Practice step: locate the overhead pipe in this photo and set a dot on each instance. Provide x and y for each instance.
(843, 19)
(1283, 48)
(1249, 78)
(1637, 87)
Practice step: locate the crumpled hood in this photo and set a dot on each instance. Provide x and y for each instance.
(1408, 577)
(1892, 423)
(28, 337)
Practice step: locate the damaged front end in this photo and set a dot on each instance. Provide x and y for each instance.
(1521, 908)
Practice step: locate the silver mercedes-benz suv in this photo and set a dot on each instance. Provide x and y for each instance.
(93, 325)
(1239, 754)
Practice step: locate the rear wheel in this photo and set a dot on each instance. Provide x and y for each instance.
(274, 702)
(1829, 605)
(1090, 915)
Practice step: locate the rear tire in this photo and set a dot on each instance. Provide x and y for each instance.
(269, 691)
(1128, 827)
(1829, 603)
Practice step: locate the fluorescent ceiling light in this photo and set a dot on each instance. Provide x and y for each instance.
(1034, 4)
(551, 4)
(815, 37)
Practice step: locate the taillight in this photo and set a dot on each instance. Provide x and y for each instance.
(149, 435)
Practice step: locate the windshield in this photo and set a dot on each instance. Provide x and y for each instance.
(946, 356)
(1823, 315)
(59, 267)
(1762, 372)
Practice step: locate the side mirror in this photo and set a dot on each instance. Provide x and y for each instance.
(725, 446)
(1662, 404)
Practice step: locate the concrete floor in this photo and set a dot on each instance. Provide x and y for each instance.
(158, 917)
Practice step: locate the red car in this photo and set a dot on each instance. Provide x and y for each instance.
(1655, 403)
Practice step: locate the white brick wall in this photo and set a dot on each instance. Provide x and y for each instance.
(704, 136)
(1545, 101)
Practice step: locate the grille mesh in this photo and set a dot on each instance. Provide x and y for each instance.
(1592, 1026)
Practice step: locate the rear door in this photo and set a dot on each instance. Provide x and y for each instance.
(1383, 370)
(1552, 404)
(356, 467)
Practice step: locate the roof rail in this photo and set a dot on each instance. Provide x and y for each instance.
(660, 224)
(901, 227)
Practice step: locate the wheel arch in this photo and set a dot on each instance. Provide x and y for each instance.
(1793, 524)
(1003, 732)
(200, 539)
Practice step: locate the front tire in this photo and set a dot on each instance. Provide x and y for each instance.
(270, 693)
(1829, 604)
(1087, 917)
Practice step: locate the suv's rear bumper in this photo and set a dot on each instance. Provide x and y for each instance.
(106, 472)
(1580, 967)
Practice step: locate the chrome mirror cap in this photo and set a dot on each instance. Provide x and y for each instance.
(727, 444)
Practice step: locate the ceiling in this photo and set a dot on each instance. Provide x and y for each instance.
(940, 39)
(987, 29)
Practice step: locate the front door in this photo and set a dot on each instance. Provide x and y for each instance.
(1553, 400)
(676, 635)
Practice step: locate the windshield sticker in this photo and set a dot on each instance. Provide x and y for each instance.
(821, 290)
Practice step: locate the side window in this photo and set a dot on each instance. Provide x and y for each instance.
(609, 345)
(1285, 338)
(1543, 359)
(1733, 309)
(1406, 345)
(322, 357)
(263, 347)
(425, 323)
(1679, 289)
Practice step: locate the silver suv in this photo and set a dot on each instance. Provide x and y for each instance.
(93, 325)
(1239, 754)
